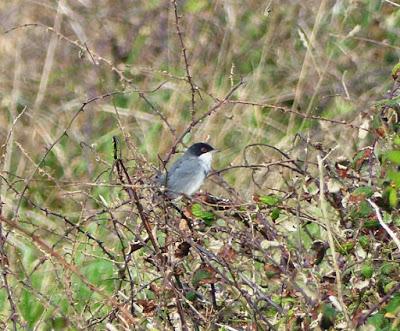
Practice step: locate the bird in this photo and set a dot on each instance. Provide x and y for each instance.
(187, 173)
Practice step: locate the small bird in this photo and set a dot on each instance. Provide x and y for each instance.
(188, 173)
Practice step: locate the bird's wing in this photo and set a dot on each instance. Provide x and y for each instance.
(166, 176)
(183, 173)
(184, 167)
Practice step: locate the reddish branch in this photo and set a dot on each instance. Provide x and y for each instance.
(185, 57)
(4, 266)
(133, 195)
(195, 122)
(48, 250)
(50, 148)
(290, 111)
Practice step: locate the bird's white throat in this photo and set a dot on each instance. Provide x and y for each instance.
(206, 160)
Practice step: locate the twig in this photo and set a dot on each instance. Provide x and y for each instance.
(185, 57)
(123, 175)
(393, 3)
(29, 179)
(364, 317)
(4, 265)
(383, 224)
(73, 225)
(159, 113)
(93, 55)
(48, 250)
(259, 166)
(291, 111)
(330, 239)
(9, 134)
(179, 307)
(96, 59)
(214, 108)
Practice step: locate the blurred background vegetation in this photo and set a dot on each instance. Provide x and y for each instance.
(330, 58)
(327, 58)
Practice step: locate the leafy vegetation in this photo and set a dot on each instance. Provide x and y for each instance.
(297, 227)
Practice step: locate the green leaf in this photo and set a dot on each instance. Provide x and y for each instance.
(201, 276)
(365, 191)
(207, 216)
(388, 287)
(3, 298)
(59, 323)
(364, 209)
(275, 213)
(100, 273)
(187, 137)
(392, 195)
(364, 242)
(388, 102)
(387, 268)
(377, 321)
(270, 200)
(151, 4)
(393, 156)
(346, 248)
(396, 69)
(121, 101)
(371, 224)
(394, 176)
(191, 295)
(367, 271)
(329, 311)
(393, 305)
(328, 316)
(30, 307)
(194, 6)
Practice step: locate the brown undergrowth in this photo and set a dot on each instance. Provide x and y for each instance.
(297, 225)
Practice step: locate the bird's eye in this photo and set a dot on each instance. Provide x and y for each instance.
(204, 150)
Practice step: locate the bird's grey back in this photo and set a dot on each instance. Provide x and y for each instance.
(187, 179)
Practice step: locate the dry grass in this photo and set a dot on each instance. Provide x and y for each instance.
(77, 73)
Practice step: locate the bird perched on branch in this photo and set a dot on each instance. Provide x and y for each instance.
(188, 172)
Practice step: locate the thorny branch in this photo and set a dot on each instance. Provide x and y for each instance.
(195, 122)
(41, 245)
(193, 88)
(5, 271)
(254, 241)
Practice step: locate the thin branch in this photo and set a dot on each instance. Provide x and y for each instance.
(185, 57)
(330, 239)
(291, 111)
(58, 139)
(258, 166)
(383, 224)
(9, 134)
(364, 317)
(42, 246)
(83, 48)
(195, 122)
(73, 225)
(4, 266)
(392, 3)
(124, 176)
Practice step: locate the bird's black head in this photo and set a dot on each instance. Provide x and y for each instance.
(199, 149)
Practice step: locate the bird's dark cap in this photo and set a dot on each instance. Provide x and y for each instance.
(199, 149)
